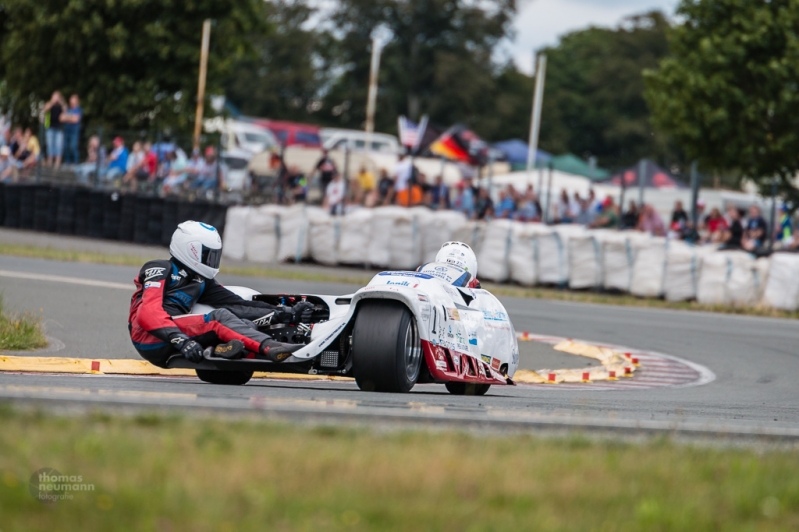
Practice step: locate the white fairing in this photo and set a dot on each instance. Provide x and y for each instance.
(480, 329)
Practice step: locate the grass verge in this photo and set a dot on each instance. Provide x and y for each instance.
(600, 298)
(20, 332)
(167, 473)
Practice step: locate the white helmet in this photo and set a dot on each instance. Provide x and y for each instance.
(460, 255)
(197, 246)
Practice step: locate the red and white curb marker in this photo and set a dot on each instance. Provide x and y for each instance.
(631, 369)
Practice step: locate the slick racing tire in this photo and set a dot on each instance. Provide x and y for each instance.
(466, 388)
(386, 349)
(235, 378)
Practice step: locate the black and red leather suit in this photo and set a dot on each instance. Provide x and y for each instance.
(159, 312)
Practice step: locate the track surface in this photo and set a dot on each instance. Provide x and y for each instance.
(755, 362)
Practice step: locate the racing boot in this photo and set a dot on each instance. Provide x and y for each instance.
(231, 350)
(277, 351)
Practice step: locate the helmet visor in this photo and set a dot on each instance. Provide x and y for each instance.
(212, 257)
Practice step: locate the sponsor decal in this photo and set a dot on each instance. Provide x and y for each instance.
(176, 277)
(449, 333)
(495, 362)
(183, 273)
(199, 280)
(407, 274)
(399, 283)
(486, 359)
(421, 297)
(463, 348)
(264, 320)
(426, 313)
(499, 327)
(472, 341)
(194, 251)
(206, 226)
(494, 315)
(456, 361)
(515, 358)
(441, 364)
(149, 273)
(152, 284)
(452, 314)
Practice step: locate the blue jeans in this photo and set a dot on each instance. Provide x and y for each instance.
(71, 137)
(55, 142)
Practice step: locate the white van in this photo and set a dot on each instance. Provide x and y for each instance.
(240, 135)
(333, 138)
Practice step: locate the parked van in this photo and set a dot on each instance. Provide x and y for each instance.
(240, 135)
(293, 133)
(333, 138)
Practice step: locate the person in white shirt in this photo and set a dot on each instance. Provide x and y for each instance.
(334, 195)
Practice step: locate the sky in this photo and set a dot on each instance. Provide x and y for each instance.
(540, 22)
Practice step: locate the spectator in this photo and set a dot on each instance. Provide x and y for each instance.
(95, 157)
(756, 236)
(54, 129)
(593, 202)
(485, 205)
(439, 195)
(15, 142)
(564, 209)
(366, 181)
(587, 216)
(334, 195)
(403, 173)
(72, 119)
(507, 204)
(529, 209)
(716, 226)
(326, 168)
(734, 234)
(629, 220)
(134, 164)
(177, 176)
(384, 185)
(678, 215)
(784, 232)
(30, 151)
(117, 161)
(298, 187)
(651, 222)
(7, 166)
(609, 217)
(465, 200)
(209, 174)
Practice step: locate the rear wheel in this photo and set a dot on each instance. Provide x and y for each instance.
(386, 349)
(235, 378)
(467, 388)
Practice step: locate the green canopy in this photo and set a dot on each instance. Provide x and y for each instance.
(571, 164)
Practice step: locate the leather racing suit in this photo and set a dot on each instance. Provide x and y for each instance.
(159, 312)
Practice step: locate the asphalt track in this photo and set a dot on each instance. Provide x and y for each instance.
(754, 361)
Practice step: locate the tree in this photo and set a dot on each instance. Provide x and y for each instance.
(437, 61)
(284, 75)
(134, 62)
(728, 94)
(594, 103)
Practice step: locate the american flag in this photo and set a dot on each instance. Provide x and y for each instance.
(411, 133)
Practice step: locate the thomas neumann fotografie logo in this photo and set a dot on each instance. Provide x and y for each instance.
(48, 485)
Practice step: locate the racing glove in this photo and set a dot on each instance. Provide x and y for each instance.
(302, 312)
(187, 347)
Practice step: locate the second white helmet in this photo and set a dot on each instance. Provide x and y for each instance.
(460, 255)
(197, 246)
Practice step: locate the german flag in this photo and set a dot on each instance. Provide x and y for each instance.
(455, 145)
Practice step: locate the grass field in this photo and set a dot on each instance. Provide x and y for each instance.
(19, 332)
(355, 278)
(173, 474)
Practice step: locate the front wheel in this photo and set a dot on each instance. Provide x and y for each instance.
(467, 388)
(386, 349)
(233, 378)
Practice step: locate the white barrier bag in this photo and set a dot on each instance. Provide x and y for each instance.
(356, 232)
(406, 239)
(742, 281)
(553, 254)
(493, 256)
(649, 267)
(618, 258)
(323, 237)
(262, 233)
(294, 237)
(726, 277)
(235, 238)
(437, 228)
(471, 233)
(585, 260)
(523, 256)
(761, 270)
(782, 288)
(682, 271)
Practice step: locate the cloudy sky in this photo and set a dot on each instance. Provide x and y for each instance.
(541, 22)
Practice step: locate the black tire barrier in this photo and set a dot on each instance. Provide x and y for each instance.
(96, 227)
(126, 214)
(112, 210)
(155, 221)
(12, 203)
(95, 214)
(27, 195)
(65, 217)
(82, 199)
